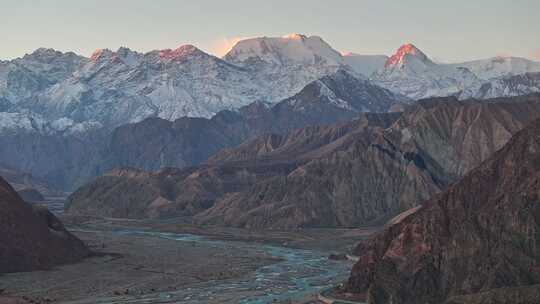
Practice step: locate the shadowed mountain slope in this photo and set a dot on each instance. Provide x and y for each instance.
(32, 238)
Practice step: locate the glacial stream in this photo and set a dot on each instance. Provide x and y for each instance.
(298, 273)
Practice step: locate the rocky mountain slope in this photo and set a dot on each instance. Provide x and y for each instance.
(429, 146)
(22, 77)
(347, 174)
(357, 179)
(474, 243)
(157, 143)
(188, 191)
(32, 238)
(513, 85)
(459, 135)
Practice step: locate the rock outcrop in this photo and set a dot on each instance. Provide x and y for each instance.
(475, 243)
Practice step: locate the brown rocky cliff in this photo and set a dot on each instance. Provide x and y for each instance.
(478, 236)
(459, 135)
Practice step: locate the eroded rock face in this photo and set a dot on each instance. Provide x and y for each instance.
(357, 179)
(477, 237)
(346, 174)
(32, 238)
(365, 177)
(137, 194)
(459, 135)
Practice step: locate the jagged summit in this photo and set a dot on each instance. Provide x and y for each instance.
(125, 51)
(410, 72)
(404, 52)
(43, 52)
(182, 51)
(49, 56)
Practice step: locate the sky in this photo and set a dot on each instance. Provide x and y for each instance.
(447, 31)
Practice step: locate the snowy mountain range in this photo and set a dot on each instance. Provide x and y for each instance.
(59, 110)
(412, 73)
(51, 90)
(500, 66)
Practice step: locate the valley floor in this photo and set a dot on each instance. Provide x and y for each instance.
(164, 262)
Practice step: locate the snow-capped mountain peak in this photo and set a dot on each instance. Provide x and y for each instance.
(43, 55)
(129, 57)
(47, 58)
(122, 55)
(407, 52)
(289, 49)
(116, 87)
(410, 72)
(343, 90)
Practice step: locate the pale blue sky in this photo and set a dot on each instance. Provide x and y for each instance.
(446, 30)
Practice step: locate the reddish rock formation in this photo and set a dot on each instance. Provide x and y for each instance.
(478, 242)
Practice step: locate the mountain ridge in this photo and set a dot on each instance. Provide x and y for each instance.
(329, 176)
